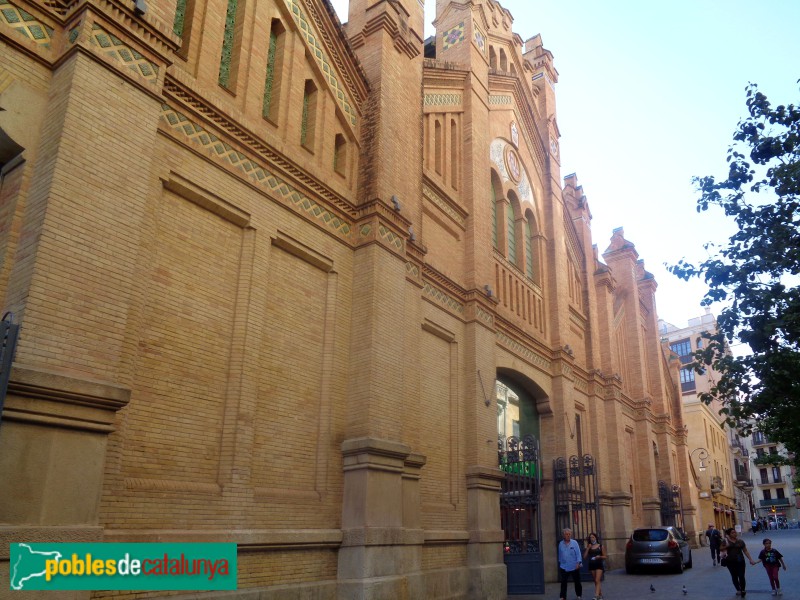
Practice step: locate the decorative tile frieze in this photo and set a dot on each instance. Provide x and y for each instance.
(484, 316)
(254, 172)
(453, 37)
(443, 298)
(440, 202)
(25, 24)
(412, 269)
(390, 237)
(443, 99)
(117, 50)
(500, 99)
(523, 351)
(309, 33)
(74, 33)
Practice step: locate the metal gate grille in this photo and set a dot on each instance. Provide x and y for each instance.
(576, 497)
(520, 515)
(671, 504)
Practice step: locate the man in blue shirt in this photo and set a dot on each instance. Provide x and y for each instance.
(569, 564)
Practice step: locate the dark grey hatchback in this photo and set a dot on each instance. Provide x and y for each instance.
(658, 547)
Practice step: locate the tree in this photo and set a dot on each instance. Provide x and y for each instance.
(757, 275)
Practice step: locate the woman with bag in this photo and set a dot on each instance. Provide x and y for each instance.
(733, 552)
(596, 555)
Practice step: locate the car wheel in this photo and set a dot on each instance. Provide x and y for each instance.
(629, 569)
(689, 564)
(679, 567)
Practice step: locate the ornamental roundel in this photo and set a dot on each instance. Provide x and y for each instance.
(512, 164)
(515, 133)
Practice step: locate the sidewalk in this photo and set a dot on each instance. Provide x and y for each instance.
(703, 581)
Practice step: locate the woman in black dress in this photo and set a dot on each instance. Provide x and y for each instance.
(733, 552)
(595, 554)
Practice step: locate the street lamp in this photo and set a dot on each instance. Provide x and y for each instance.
(703, 456)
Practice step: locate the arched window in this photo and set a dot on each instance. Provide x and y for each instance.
(503, 60)
(492, 58)
(340, 154)
(511, 234)
(269, 108)
(453, 154)
(309, 122)
(231, 42)
(182, 24)
(437, 142)
(495, 215)
(528, 248)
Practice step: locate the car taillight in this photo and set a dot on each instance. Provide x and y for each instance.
(672, 544)
(629, 545)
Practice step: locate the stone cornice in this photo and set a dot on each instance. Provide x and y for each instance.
(52, 399)
(154, 35)
(439, 73)
(46, 385)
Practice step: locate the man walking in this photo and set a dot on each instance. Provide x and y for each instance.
(714, 541)
(569, 564)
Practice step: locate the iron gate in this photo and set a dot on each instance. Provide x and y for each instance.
(520, 515)
(576, 500)
(671, 505)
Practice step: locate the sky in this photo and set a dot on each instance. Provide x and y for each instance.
(648, 96)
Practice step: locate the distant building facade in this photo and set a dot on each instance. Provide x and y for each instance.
(717, 459)
(278, 279)
(774, 496)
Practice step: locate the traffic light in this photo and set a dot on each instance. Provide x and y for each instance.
(772, 509)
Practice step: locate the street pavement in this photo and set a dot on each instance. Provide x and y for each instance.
(703, 581)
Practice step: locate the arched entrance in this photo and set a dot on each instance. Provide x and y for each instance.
(520, 499)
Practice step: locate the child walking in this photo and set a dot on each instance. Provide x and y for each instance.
(772, 561)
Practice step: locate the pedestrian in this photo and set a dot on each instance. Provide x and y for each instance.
(733, 552)
(714, 542)
(772, 561)
(569, 563)
(755, 524)
(597, 556)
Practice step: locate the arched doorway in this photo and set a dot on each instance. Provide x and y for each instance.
(518, 433)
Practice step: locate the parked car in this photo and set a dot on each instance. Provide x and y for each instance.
(658, 547)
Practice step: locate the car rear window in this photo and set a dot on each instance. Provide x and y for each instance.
(650, 535)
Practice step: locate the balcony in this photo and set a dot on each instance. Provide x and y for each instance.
(775, 502)
(717, 485)
(770, 481)
(744, 483)
(759, 439)
(738, 448)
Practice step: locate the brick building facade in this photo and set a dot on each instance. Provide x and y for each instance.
(268, 269)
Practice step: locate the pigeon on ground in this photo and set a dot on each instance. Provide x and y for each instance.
(685, 591)
(652, 589)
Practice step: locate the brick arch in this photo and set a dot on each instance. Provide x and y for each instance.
(9, 148)
(526, 378)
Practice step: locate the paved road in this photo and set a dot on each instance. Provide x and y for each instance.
(703, 581)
